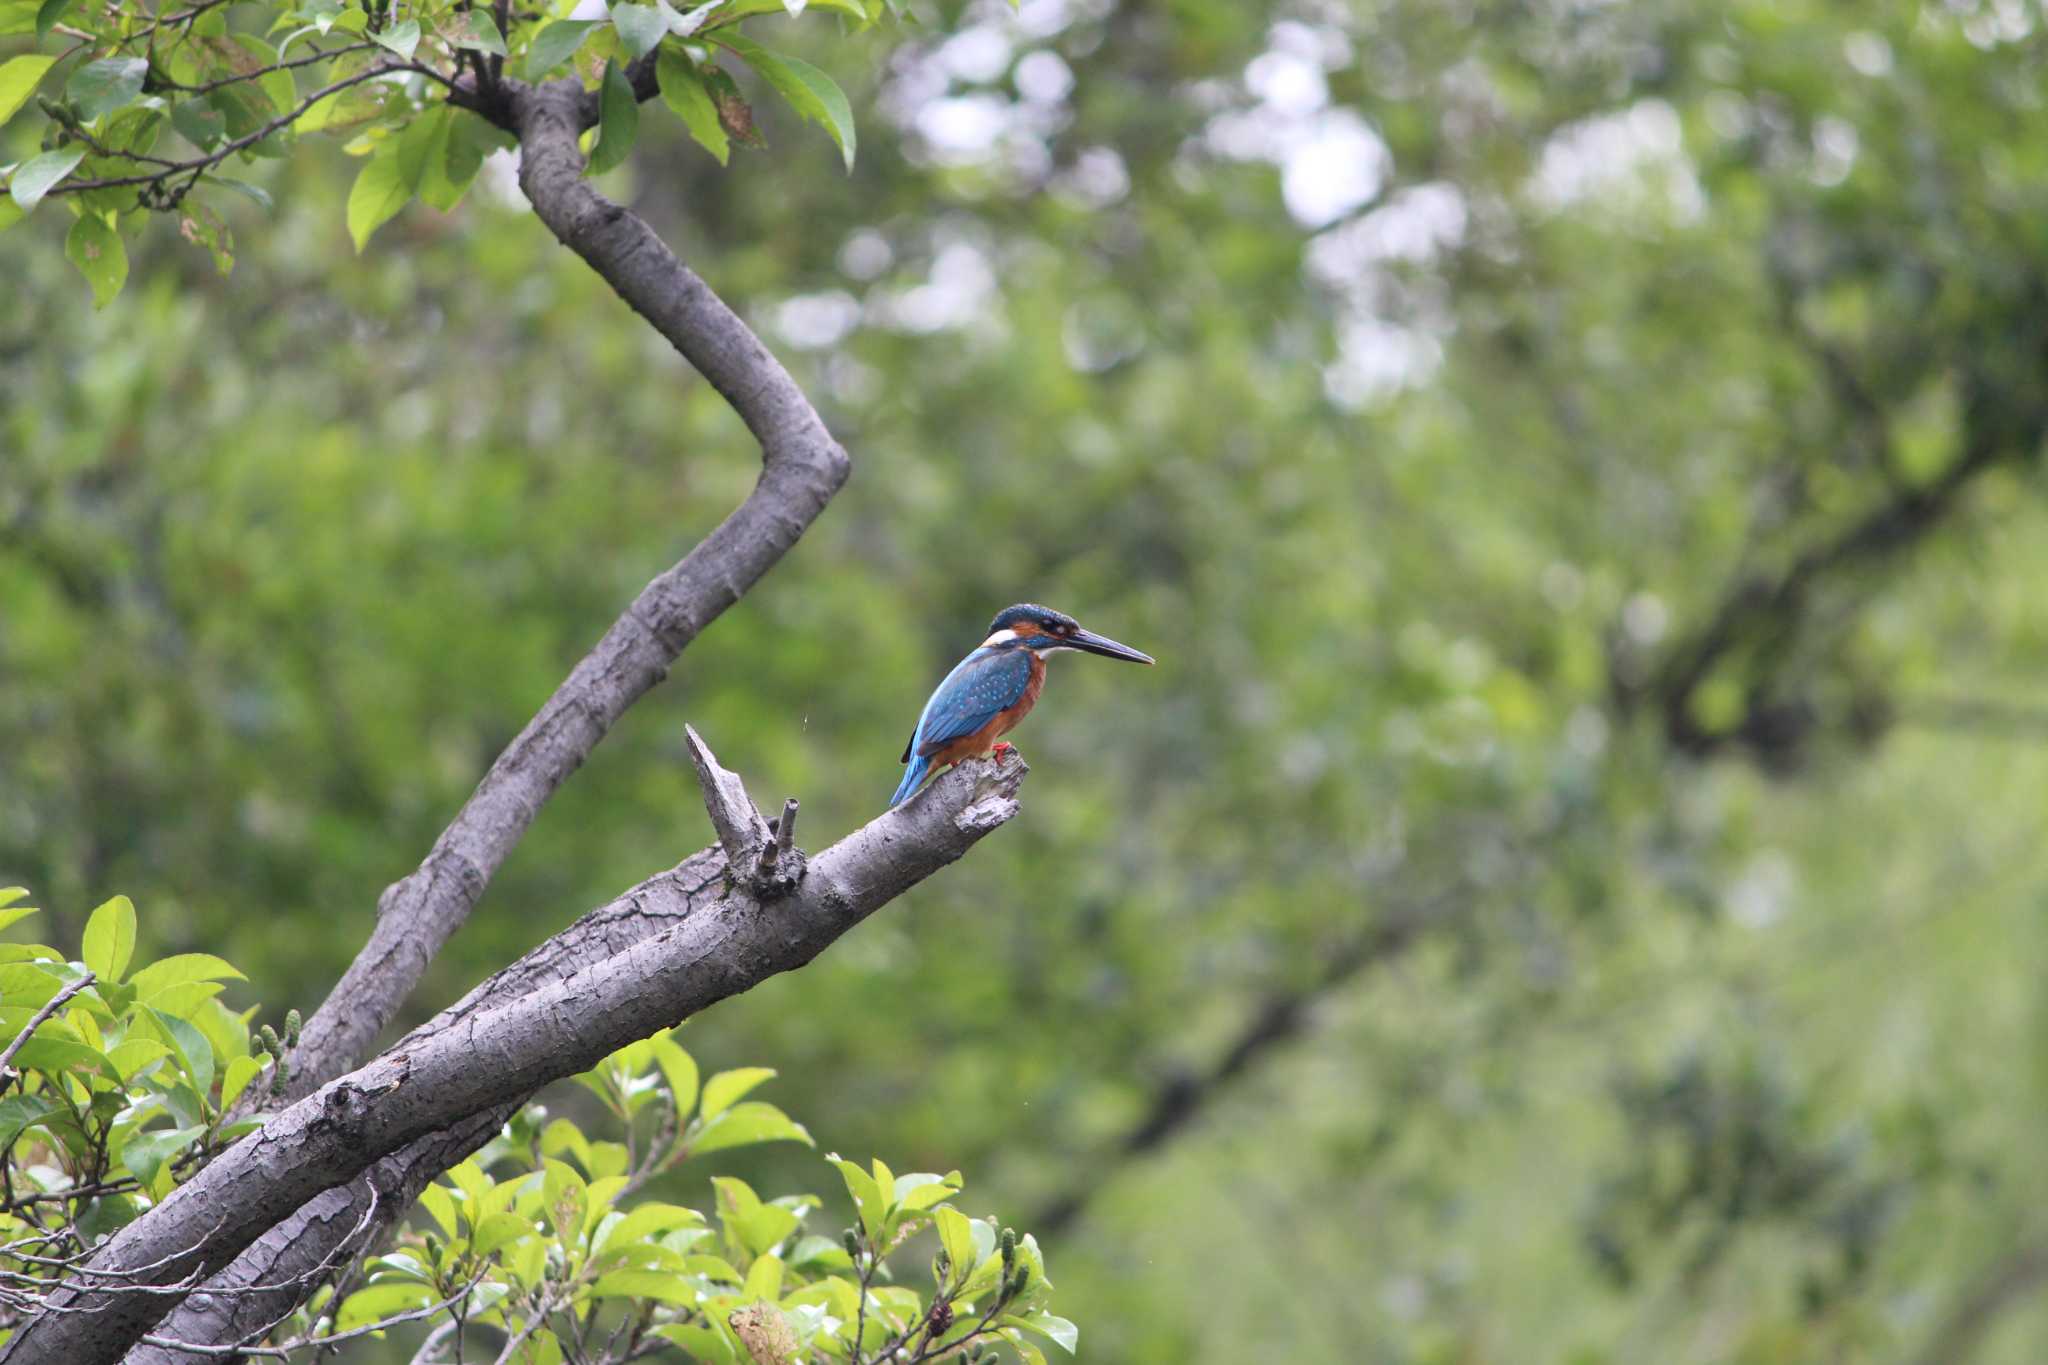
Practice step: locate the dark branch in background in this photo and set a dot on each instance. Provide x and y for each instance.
(2007, 1285)
(801, 468)
(1764, 610)
(501, 1054)
(1183, 1098)
(1972, 715)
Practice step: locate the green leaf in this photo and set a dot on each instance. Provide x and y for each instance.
(440, 1206)
(682, 90)
(649, 1220)
(34, 177)
(185, 999)
(764, 1279)
(662, 1286)
(188, 1044)
(1063, 1334)
(106, 85)
(618, 120)
(556, 44)
(134, 1054)
(225, 1030)
(379, 193)
(179, 969)
(19, 77)
(255, 194)
(240, 1071)
(867, 1195)
(18, 1112)
(380, 1301)
(481, 33)
(563, 1196)
(956, 1235)
(721, 1090)
(499, 1230)
(145, 1153)
(423, 153)
(199, 123)
(749, 1223)
(746, 1124)
(110, 933)
(640, 27)
(402, 38)
(470, 140)
(705, 1344)
(679, 1070)
(809, 91)
(916, 1192)
(25, 985)
(48, 15)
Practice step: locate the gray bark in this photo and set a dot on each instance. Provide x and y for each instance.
(496, 1054)
(283, 1267)
(802, 466)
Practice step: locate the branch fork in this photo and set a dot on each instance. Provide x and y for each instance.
(759, 852)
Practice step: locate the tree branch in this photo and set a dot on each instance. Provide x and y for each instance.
(2010, 1281)
(1759, 607)
(226, 1308)
(494, 1055)
(1183, 1097)
(801, 468)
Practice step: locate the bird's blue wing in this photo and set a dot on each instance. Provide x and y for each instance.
(979, 686)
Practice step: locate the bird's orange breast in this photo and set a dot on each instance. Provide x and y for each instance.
(1004, 721)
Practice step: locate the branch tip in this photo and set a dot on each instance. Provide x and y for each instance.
(740, 826)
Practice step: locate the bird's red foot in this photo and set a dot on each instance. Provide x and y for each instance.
(1003, 750)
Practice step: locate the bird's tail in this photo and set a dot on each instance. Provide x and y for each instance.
(912, 776)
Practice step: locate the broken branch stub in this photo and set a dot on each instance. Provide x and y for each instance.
(763, 856)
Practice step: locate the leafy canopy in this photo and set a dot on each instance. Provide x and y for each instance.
(148, 108)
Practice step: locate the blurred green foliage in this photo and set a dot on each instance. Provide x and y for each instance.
(1578, 467)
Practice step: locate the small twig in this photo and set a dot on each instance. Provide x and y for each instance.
(519, 1338)
(36, 1021)
(739, 825)
(785, 838)
(860, 1317)
(425, 1354)
(297, 1344)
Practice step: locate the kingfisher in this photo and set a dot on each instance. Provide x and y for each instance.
(993, 688)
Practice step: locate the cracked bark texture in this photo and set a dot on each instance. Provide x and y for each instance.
(286, 1262)
(266, 1222)
(802, 466)
(491, 1055)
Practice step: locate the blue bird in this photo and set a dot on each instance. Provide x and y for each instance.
(993, 688)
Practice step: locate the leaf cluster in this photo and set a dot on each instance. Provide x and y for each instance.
(123, 1080)
(142, 106)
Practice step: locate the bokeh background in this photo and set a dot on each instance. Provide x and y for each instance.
(1573, 889)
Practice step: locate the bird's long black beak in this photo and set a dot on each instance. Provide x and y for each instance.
(1108, 648)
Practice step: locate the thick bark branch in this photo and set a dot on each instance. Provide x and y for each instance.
(294, 1258)
(801, 468)
(493, 1055)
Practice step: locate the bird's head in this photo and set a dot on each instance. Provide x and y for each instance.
(1030, 626)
